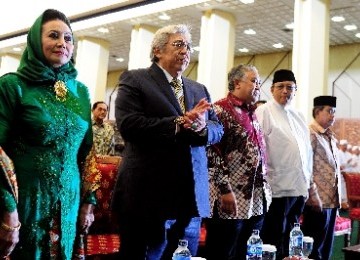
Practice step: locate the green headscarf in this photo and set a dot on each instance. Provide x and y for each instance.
(33, 64)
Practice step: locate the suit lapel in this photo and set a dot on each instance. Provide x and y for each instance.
(163, 85)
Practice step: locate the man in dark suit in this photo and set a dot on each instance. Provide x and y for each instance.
(163, 180)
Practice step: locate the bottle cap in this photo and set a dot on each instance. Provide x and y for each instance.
(183, 242)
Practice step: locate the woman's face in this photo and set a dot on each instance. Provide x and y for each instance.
(57, 43)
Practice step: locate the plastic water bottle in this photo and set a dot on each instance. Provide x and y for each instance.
(254, 246)
(182, 252)
(296, 241)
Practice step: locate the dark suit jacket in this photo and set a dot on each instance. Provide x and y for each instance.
(162, 175)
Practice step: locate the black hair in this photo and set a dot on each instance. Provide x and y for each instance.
(52, 14)
(97, 103)
(316, 109)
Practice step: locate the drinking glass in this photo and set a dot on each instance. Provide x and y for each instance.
(268, 252)
(307, 245)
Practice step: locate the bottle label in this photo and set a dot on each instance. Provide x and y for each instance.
(296, 246)
(297, 241)
(254, 250)
(181, 257)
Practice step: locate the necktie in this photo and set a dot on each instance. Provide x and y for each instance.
(179, 92)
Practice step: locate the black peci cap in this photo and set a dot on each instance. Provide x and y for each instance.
(325, 101)
(284, 75)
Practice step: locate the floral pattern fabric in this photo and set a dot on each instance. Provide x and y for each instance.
(103, 138)
(238, 162)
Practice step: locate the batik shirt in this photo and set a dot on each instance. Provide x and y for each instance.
(237, 163)
(326, 166)
(103, 138)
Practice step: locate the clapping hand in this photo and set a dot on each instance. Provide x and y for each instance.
(195, 118)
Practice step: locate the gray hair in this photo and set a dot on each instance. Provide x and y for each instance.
(238, 73)
(162, 35)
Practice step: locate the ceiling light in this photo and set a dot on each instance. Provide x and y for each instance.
(289, 26)
(278, 45)
(18, 49)
(250, 32)
(350, 27)
(164, 17)
(130, 13)
(357, 35)
(243, 50)
(337, 19)
(247, 1)
(120, 59)
(103, 30)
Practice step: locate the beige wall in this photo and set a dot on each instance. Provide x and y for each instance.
(340, 58)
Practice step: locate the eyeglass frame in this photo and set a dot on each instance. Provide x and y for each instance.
(179, 44)
(288, 88)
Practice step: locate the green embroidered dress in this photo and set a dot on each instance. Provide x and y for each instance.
(48, 140)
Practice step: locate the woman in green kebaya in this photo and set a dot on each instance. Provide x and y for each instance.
(45, 130)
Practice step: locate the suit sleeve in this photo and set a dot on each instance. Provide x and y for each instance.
(133, 118)
(213, 126)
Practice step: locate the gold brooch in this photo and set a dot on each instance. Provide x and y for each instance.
(60, 90)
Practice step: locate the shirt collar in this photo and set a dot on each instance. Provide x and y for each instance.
(320, 129)
(286, 107)
(167, 74)
(94, 123)
(239, 103)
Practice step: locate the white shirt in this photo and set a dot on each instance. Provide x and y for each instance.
(288, 149)
(345, 159)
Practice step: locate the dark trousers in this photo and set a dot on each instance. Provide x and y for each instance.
(156, 240)
(279, 221)
(226, 238)
(320, 226)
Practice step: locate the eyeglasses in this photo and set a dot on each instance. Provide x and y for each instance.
(289, 88)
(331, 110)
(181, 44)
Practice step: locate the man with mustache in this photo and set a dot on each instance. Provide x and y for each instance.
(166, 121)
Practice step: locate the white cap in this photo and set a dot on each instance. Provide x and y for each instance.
(349, 146)
(343, 142)
(354, 148)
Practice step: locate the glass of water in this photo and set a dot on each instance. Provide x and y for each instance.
(307, 245)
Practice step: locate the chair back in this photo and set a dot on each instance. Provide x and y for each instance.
(104, 222)
(352, 181)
